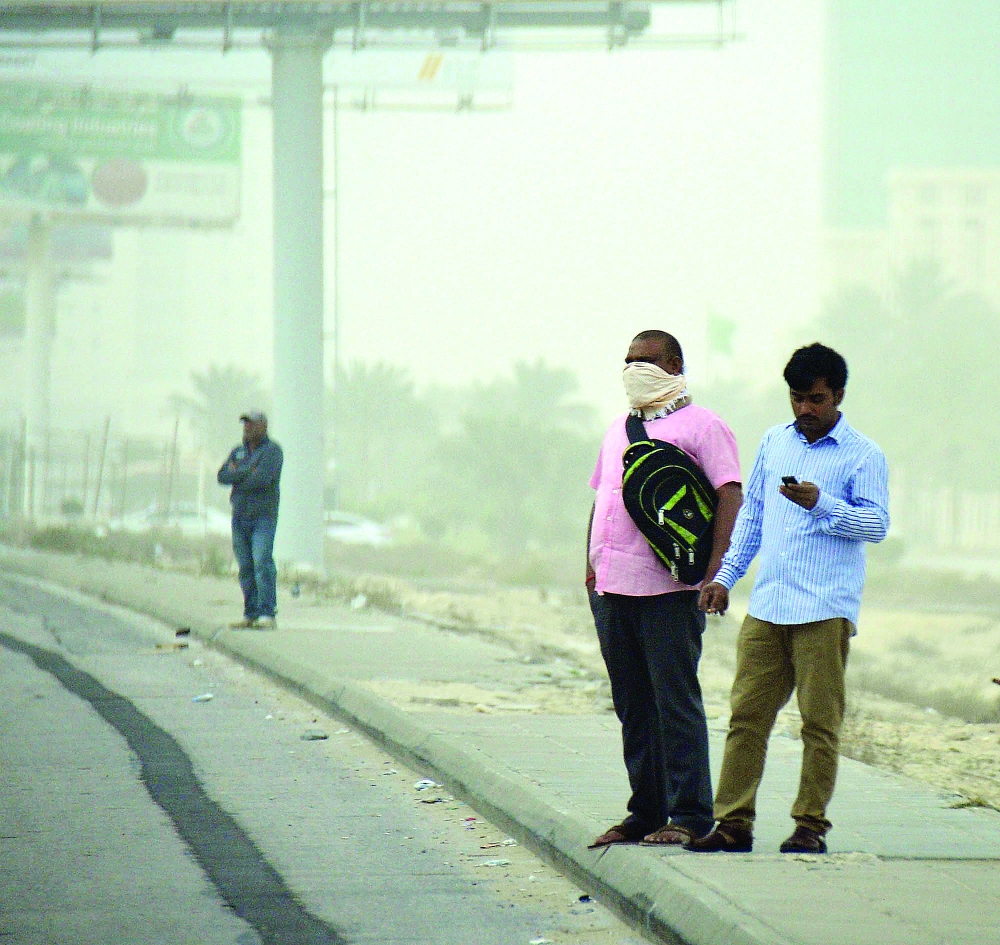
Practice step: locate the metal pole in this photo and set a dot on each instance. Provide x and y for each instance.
(170, 472)
(39, 335)
(100, 464)
(19, 468)
(85, 484)
(44, 505)
(64, 484)
(9, 474)
(335, 158)
(29, 479)
(297, 94)
(124, 492)
(335, 385)
(5, 492)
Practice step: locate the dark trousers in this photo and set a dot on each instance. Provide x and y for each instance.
(253, 545)
(651, 647)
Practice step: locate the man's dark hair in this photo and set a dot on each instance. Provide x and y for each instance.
(671, 346)
(815, 362)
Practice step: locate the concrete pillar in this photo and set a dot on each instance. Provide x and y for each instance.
(39, 336)
(297, 422)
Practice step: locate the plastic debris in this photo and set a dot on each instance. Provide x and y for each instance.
(296, 589)
(358, 602)
(470, 823)
(494, 863)
(170, 647)
(204, 697)
(541, 941)
(509, 842)
(432, 800)
(182, 632)
(585, 898)
(314, 735)
(424, 783)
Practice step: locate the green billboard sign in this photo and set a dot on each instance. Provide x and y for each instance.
(121, 155)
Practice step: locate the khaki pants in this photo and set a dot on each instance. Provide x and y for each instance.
(772, 660)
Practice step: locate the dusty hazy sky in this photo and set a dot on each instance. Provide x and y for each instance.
(622, 191)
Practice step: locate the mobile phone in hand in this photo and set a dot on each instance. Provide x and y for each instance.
(789, 480)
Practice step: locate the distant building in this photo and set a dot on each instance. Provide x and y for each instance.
(950, 217)
(912, 156)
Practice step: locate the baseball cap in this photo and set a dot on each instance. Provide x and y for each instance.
(254, 416)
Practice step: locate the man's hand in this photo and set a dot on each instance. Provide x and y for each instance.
(591, 579)
(805, 494)
(714, 598)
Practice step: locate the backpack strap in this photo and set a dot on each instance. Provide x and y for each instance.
(635, 428)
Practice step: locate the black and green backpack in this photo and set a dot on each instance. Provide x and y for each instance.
(671, 502)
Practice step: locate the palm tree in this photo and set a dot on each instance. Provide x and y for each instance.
(221, 395)
(376, 428)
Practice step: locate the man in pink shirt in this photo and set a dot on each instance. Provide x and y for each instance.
(648, 624)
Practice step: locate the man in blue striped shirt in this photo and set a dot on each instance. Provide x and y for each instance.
(818, 491)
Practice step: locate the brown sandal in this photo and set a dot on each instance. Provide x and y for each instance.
(726, 838)
(669, 835)
(619, 833)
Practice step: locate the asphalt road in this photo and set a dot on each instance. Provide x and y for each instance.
(156, 792)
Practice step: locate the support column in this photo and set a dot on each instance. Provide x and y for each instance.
(39, 336)
(297, 424)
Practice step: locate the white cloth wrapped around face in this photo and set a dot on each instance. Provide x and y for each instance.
(652, 392)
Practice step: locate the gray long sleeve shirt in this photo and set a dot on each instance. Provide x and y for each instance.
(254, 475)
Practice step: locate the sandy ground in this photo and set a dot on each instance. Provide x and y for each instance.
(914, 677)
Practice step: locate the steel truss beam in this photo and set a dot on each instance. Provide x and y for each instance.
(163, 19)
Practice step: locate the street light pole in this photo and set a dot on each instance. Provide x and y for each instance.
(335, 194)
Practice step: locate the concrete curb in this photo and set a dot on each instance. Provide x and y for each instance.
(639, 883)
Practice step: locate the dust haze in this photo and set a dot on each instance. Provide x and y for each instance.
(829, 172)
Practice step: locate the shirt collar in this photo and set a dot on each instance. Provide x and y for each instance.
(837, 433)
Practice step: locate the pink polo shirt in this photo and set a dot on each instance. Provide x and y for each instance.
(620, 556)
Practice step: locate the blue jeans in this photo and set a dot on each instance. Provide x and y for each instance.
(253, 543)
(651, 647)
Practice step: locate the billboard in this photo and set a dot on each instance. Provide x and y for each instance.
(119, 156)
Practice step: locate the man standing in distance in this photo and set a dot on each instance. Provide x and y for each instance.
(253, 469)
(817, 493)
(648, 624)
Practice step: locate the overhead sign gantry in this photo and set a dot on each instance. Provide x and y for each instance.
(238, 23)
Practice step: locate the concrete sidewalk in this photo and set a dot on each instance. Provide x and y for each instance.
(906, 867)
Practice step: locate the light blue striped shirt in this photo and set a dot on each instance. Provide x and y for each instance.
(812, 561)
